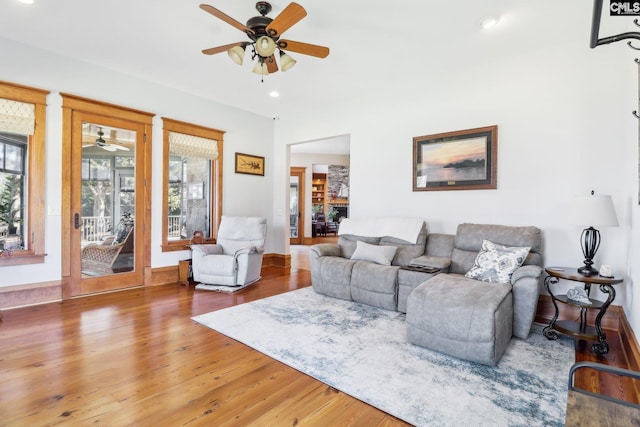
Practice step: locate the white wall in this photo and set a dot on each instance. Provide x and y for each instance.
(305, 160)
(245, 132)
(565, 127)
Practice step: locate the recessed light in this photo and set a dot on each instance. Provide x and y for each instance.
(26, 1)
(490, 22)
(274, 94)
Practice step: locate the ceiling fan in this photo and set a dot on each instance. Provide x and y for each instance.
(102, 143)
(264, 34)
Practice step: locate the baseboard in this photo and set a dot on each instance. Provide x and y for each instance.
(166, 275)
(161, 275)
(277, 260)
(30, 294)
(630, 347)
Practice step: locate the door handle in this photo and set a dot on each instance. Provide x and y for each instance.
(76, 221)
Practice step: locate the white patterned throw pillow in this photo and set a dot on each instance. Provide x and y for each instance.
(496, 263)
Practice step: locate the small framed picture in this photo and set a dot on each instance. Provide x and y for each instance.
(249, 164)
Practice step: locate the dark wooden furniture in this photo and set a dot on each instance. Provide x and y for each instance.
(580, 329)
(331, 227)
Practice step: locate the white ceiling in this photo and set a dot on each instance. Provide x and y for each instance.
(377, 49)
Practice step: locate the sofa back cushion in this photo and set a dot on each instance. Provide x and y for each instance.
(407, 251)
(469, 238)
(404, 254)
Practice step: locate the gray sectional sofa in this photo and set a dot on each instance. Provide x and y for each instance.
(445, 310)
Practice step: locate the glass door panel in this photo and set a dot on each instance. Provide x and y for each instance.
(296, 206)
(293, 206)
(104, 184)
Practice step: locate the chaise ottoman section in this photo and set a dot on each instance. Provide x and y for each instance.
(461, 317)
(407, 281)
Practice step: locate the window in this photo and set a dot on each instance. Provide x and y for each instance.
(22, 174)
(192, 196)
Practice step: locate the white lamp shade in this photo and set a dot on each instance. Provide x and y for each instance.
(265, 46)
(236, 53)
(593, 211)
(261, 68)
(286, 61)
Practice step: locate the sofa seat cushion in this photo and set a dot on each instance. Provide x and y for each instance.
(375, 284)
(462, 317)
(331, 276)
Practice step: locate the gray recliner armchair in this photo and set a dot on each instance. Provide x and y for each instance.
(236, 257)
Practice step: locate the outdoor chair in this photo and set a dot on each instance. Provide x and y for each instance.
(100, 258)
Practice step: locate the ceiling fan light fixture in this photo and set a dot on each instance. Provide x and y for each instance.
(286, 61)
(261, 68)
(490, 22)
(236, 54)
(265, 46)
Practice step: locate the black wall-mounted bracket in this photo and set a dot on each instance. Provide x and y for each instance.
(595, 30)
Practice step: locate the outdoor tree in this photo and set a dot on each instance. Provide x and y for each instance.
(10, 206)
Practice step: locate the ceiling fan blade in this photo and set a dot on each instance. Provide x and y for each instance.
(108, 147)
(286, 19)
(226, 18)
(272, 66)
(119, 147)
(226, 47)
(304, 48)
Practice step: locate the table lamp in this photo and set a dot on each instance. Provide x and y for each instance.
(590, 211)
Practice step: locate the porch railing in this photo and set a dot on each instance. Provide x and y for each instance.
(174, 227)
(96, 228)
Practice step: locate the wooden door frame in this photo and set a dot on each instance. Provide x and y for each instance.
(71, 104)
(300, 173)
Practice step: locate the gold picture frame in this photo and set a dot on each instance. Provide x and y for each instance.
(249, 164)
(460, 160)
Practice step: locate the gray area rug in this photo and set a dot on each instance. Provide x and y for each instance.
(363, 351)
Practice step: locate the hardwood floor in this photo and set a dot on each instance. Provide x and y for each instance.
(136, 358)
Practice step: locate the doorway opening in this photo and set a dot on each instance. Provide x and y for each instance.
(326, 164)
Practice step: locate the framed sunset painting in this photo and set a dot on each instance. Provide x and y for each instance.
(460, 160)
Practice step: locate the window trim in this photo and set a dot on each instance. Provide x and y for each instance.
(171, 125)
(36, 171)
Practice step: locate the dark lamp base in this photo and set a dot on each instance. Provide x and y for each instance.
(587, 270)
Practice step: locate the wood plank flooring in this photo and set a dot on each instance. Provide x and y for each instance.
(136, 358)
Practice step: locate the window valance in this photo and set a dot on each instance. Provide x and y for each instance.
(17, 117)
(184, 145)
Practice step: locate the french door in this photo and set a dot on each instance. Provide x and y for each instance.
(105, 220)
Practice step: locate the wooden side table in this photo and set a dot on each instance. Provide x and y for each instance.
(184, 272)
(580, 329)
